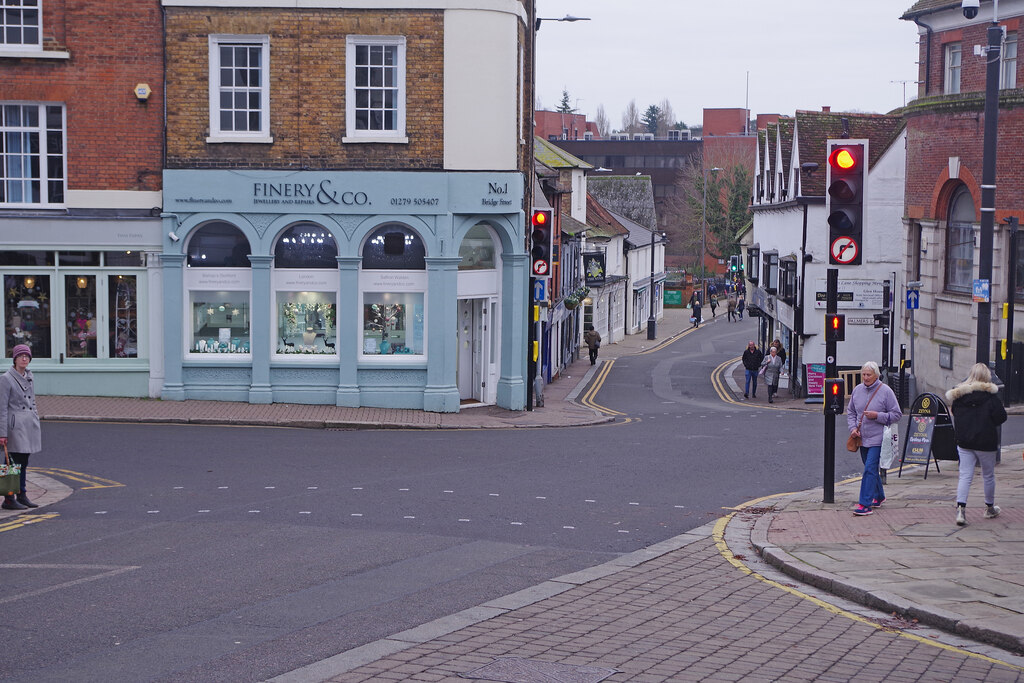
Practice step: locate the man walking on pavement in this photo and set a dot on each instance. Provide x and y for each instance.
(730, 308)
(752, 358)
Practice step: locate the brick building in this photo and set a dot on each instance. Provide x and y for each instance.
(556, 125)
(80, 179)
(336, 206)
(943, 187)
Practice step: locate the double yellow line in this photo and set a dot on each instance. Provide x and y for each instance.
(588, 398)
(92, 480)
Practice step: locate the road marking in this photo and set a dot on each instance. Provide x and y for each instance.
(92, 480)
(718, 535)
(114, 571)
(26, 520)
(588, 398)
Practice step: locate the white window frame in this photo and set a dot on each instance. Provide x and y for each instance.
(43, 132)
(352, 135)
(952, 72)
(15, 5)
(1008, 62)
(216, 134)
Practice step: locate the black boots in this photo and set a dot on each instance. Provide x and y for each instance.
(11, 504)
(23, 499)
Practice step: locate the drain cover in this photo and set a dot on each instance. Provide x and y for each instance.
(519, 670)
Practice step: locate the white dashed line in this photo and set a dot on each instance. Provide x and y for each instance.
(408, 517)
(178, 487)
(403, 489)
(222, 487)
(623, 531)
(356, 514)
(542, 497)
(100, 512)
(463, 520)
(202, 510)
(357, 488)
(447, 491)
(494, 494)
(634, 503)
(588, 500)
(152, 512)
(269, 487)
(305, 512)
(516, 523)
(253, 511)
(679, 507)
(312, 488)
(568, 527)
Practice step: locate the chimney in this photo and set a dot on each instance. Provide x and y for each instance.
(826, 110)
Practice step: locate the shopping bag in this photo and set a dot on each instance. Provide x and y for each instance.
(890, 447)
(10, 475)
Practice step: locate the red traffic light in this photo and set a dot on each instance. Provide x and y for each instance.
(843, 158)
(540, 217)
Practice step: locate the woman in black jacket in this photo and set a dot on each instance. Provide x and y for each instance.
(977, 412)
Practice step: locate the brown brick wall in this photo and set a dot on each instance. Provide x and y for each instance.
(113, 141)
(933, 138)
(307, 88)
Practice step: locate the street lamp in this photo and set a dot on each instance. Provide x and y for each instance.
(704, 235)
(652, 322)
(988, 179)
(567, 17)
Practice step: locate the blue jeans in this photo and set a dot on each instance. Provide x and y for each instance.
(751, 378)
(870, 481)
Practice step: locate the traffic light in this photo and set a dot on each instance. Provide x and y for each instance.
(734, 263)
(847, 173)
(835, 327)
(835, 396)
(540, 242)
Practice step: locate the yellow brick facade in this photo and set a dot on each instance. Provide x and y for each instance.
(307, 88)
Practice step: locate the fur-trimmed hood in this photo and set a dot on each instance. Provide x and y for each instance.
(966, 388)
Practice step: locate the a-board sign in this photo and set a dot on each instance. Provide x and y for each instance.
(919, 439)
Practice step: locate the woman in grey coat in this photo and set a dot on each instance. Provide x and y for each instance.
(772, 365)
(19, 421)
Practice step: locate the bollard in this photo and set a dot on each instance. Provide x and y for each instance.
(538, 391)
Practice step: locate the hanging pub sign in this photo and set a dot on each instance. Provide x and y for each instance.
(594, 268)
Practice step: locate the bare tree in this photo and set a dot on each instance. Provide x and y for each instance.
(601, 121)
(631, 119)
(667, 119)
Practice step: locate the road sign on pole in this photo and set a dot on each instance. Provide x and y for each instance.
(539, 290)
(913, 299)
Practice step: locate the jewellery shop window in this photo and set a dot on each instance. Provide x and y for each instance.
(393, 285)
(306, 286)
(220, 322)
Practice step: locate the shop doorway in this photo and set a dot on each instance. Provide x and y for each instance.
(476, 370)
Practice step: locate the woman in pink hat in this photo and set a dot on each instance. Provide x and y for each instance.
(19, 421)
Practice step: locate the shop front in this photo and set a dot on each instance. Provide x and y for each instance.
(380, 289)
(84, 294)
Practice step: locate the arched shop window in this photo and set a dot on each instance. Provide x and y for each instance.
(306, 245)
(393, 288)
(477, 249)
(219, 283)
(218, 245)
(306, 291)
(960, 242)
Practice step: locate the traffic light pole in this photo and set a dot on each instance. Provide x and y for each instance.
(531, 364)
(831, 306)
(988, 185)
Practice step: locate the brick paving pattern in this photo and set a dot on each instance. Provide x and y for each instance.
(686, 616)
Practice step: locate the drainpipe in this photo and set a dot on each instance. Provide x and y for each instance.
(927, 55)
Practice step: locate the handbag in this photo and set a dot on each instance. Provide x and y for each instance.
(854, 442)
(890, 447)
(10, 475)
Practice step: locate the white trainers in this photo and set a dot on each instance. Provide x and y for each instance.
(992, 511)
(961, 515)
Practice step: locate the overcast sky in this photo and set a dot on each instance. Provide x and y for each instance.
(800, 54)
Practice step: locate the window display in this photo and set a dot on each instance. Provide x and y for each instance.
(80, 307)
(27, 313)
(306, 323)
(477, 249)
(392, 323)
(122, 292)
(220, 322)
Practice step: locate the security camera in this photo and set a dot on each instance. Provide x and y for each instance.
(970, 8)
(174, 237)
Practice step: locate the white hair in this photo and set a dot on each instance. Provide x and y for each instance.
(872, 366)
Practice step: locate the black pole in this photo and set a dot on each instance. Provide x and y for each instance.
(531, 364)
(651, 322)
(1011, 295)
(988, 186)
(831, 306)
(886, 290)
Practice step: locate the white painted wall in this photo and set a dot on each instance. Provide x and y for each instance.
(481, 85)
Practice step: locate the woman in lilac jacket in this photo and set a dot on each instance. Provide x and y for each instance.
(873, 405)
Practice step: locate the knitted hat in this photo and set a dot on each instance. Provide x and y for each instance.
(21, 349)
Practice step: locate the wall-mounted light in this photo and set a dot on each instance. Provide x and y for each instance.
(142, 92)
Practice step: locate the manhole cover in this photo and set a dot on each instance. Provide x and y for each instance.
(519, 670)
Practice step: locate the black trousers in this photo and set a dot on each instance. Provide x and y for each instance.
(593, 355)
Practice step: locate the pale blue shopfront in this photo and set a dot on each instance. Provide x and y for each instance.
(378, 289)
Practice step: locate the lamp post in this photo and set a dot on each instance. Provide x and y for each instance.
(988, 181)
(652, 322)
(704, 236)
(567, 17)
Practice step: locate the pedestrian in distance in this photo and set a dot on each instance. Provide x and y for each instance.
(696, 313)
(872, 406)
(20, 432)
(752, 357)
(730, 308)
(740, 305)
(592, 338)
(714, 304)
(977, 414)
(772, 365)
